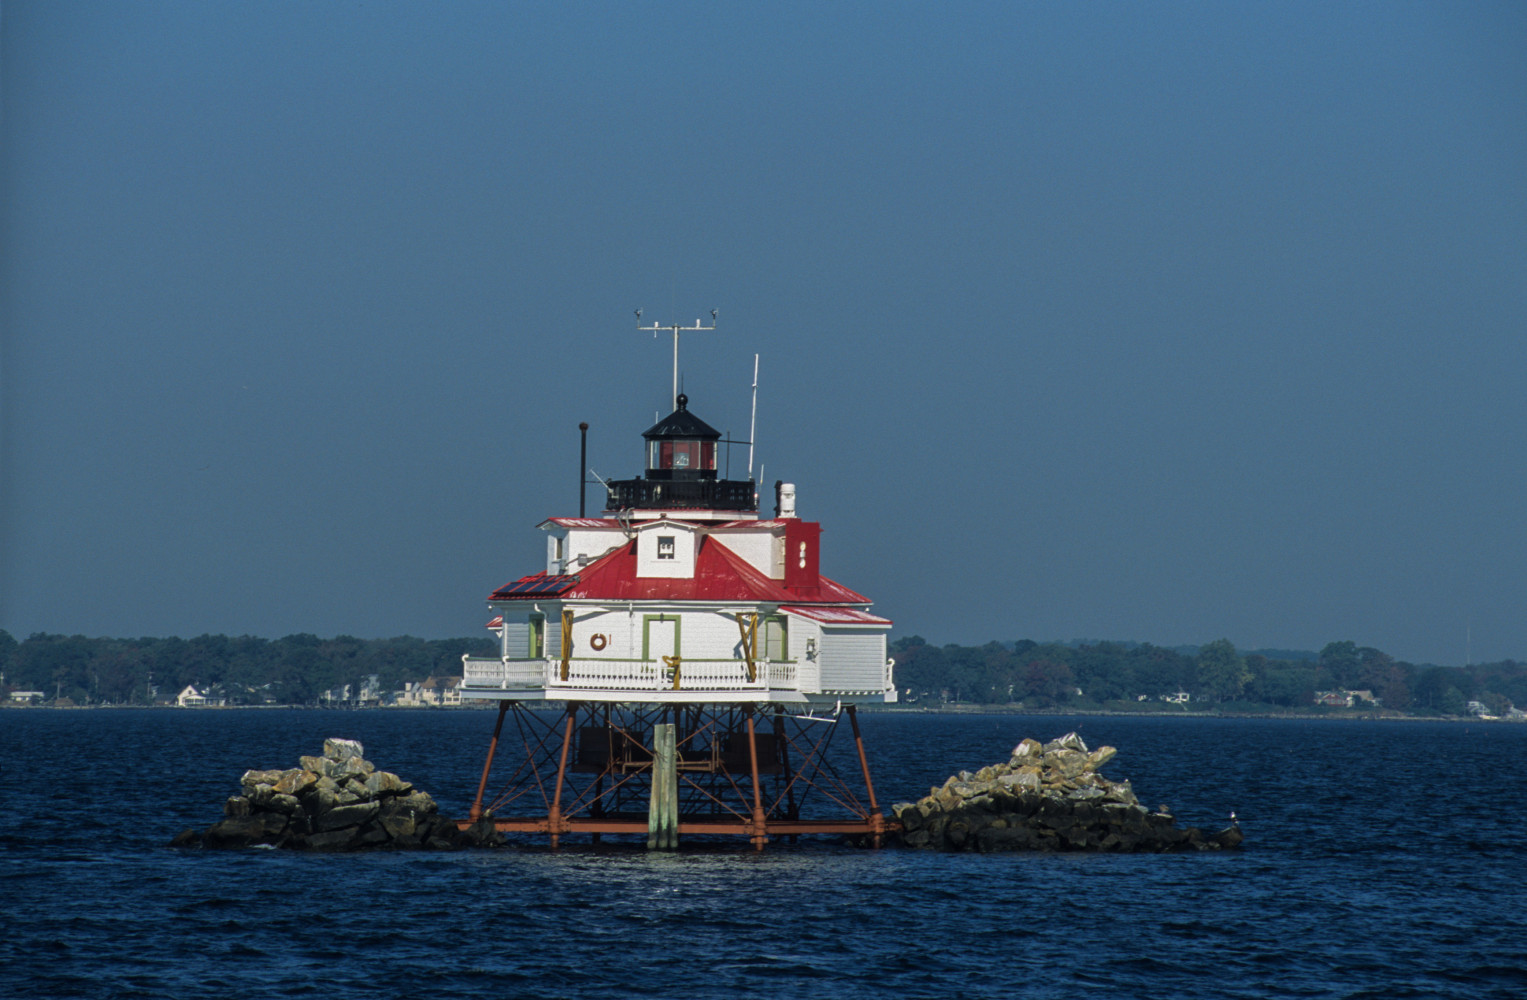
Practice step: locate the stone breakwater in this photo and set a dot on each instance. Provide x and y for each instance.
(1047, 797)
(336, 802)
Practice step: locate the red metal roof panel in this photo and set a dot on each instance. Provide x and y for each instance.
(720, 575)
(837, 616)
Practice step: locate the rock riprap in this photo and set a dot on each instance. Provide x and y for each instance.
(1047, 797)
(336, 802)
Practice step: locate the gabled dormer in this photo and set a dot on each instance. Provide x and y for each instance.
(572, 543)
(666, 549)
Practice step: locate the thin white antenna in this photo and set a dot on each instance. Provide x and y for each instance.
(676, 330)
(753, 420)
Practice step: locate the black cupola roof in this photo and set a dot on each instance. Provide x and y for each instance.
(682, 424)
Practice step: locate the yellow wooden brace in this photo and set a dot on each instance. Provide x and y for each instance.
(567, 640)
(748, 625)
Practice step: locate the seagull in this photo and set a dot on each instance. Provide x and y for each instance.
(1233, 820)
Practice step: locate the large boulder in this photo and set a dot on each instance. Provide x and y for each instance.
(1046, 797)
(335, 802)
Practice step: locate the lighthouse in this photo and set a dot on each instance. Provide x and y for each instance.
(680, 666)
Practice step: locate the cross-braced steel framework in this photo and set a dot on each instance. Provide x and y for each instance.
(745, 770)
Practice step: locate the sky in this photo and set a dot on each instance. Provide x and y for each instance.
(1153, 322)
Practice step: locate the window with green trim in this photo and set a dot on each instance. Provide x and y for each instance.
(776, 638)
(537, 636)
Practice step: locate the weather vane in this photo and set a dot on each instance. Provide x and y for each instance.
(655, 328)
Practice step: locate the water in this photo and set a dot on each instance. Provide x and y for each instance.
(1384, 859)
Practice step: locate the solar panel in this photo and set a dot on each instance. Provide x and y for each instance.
(540, 585)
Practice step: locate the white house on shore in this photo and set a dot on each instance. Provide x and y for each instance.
(431, 691)
(192, 698)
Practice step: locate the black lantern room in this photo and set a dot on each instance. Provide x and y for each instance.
(681, 470)
(681, 447)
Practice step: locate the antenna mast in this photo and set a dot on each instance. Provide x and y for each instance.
(753, 420)
(676, 329)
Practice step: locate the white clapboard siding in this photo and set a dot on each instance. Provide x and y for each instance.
(710, 635)
(758, 548)
(616, 628)
(516, 640)
(852, 661)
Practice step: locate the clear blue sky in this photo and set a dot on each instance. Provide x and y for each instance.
(1162, 322)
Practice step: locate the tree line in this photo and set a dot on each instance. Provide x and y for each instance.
(294, 670)
(1120, 674)
(299, 669)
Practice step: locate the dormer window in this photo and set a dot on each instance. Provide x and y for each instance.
(665, 546)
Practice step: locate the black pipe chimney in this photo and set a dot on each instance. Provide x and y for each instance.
(583, 461)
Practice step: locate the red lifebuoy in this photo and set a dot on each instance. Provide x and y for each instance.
(597, 642)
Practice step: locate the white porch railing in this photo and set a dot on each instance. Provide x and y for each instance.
(783, 675)
(606, 673)
(485, 672)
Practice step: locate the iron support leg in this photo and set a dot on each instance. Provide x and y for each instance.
(792, 811)
(760, 835)
(482, 786)
(554, 818)
(877, 818)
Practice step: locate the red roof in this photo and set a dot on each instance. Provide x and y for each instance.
(720, 575)
(838, 616)
(583, 522)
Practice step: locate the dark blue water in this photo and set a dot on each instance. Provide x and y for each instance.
(1383, 860)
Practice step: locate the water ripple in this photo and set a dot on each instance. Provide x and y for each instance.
(1366, 875)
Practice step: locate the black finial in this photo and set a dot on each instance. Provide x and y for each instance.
(682, 401)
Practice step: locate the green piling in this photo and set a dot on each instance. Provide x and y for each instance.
(663, 811)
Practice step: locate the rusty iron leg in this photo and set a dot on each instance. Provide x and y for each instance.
(760, 832)
(792, 810)
(877, 818)
(597, 809)
(554, 818)
(482, 786)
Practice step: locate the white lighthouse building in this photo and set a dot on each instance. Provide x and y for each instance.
(679, 665)
(681, 593)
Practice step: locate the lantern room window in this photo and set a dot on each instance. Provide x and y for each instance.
(699, 455)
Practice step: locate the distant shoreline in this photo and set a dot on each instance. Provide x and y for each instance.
(1308, 716)
(953, 709)
(248, 708)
